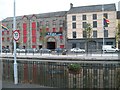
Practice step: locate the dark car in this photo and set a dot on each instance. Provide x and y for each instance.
(45, 50)
(5, 50)
(58, 50)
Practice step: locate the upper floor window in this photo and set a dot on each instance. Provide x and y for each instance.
(105, 15)
(74, 34)
(74, 25)
(84, 34)
(41, 23)
(74, 18)
(94, 34)
(61, 22)
(94, 16)
(94, 24)
(54, 22)
(47, 23)
(84, 24)
(7, 32)
(84, 17)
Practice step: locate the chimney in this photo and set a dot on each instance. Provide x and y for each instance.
(71, 5)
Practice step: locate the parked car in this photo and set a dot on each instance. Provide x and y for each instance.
(109, 48)
(5, 50)
(77, 50)
(58, 50)
(45, 50)
(32, 50)
(18, 50)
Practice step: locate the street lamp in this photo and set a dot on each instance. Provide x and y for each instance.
(15, 62)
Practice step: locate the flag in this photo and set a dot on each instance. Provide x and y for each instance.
(106, 21)
(4, 27)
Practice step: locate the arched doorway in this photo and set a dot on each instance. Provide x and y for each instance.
(51, 43)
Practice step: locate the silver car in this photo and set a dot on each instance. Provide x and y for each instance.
(77, 50)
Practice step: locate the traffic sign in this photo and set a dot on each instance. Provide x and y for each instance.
(16, 35)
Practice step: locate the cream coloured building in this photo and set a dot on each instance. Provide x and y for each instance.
(78, 17)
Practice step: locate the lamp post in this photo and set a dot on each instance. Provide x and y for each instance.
(15, 62)
(103, 27)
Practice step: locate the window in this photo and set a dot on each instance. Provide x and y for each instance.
(74, 25)
(74, 18)
(84, 17)
(61, 46)
(105, 33)
(105, 15)
(54, 22)
(61, 37)
(84, 24)
(41, 23)
(8, 39)
(94, 24)
(47, 23)
(94, 34)
(74, 34)
(7, 32)
(54, 29)
(61, 29)
(3, 39)
(47, 29)
(60, 22)
(84, 34)
(94, 16)
(74, 45)
(3, 33)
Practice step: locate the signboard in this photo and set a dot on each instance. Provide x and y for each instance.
(54, 33)
(16, 35)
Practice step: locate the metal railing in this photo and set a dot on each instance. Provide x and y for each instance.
(94, 74)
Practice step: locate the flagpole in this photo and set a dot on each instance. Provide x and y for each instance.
(1, 38)
(15, 62)
(103, 25)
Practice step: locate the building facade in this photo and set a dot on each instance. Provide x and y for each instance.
(64, 29)
(79, 17)
(37, 31)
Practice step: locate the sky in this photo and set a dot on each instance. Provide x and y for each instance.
(26, 7)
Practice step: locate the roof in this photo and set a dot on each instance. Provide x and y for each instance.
(118, 14)
(92, 8)
(42, 15)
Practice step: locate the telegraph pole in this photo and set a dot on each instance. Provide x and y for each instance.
(15, 62)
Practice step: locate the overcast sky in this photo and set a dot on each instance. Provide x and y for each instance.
(26, 7)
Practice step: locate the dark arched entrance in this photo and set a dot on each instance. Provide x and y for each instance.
(51, 43)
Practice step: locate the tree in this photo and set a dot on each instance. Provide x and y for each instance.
(88, 30)
(117, 35)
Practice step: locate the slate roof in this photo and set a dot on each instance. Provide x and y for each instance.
(118, 14)
(42, 15)
(92, 8)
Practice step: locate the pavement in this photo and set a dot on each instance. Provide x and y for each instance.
(6, 84)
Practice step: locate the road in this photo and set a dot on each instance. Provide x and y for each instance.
(72, 56)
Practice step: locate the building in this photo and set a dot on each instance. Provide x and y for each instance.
(79, 17)
(64, 29)
(118, 25)
(119, 6)
(45, 30)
